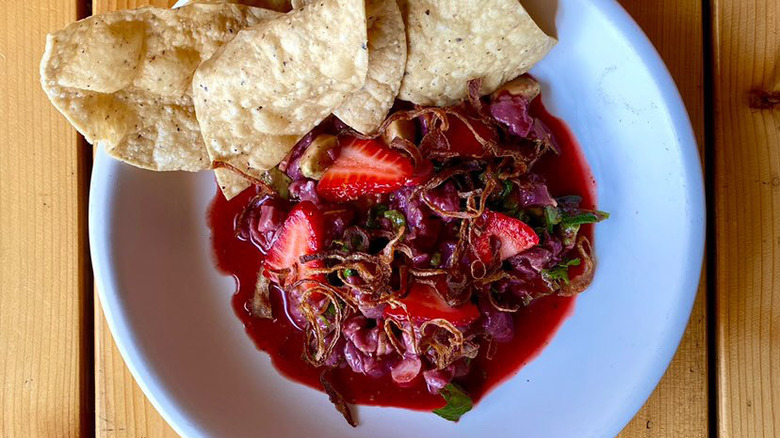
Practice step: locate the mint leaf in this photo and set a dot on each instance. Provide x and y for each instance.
(585, 218)
(349, 272)
(506, 189)
(458, 402)
(560, 272)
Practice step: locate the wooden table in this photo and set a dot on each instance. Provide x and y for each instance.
(61, 375)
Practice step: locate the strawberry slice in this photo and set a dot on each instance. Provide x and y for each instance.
(301, 234)
(424, 304)
(513, 235)
(364, 167)
(462, 139)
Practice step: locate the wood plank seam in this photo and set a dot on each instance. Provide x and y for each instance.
(709, 188)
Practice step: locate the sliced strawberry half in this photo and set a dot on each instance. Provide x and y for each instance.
(423, 303)
(364, 167)
(513, 235)
(301, 234)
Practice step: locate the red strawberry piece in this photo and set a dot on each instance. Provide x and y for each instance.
(424, 303)
(364, 167)
(301, 234)
(462, 139)
(513, 235)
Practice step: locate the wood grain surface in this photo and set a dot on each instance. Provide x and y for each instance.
(747, 212)
(42, 250)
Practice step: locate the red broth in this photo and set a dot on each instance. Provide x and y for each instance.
(535, 325)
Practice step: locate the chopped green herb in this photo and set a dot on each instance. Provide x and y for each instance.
(569, 234)
(552, 217)
(331, 310)
(560, 272)
(585, 218)
(350, 272)
(458, 403)
(396, 218)
(506, 190)
(436, 259)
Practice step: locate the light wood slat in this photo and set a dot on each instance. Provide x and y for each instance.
(747, 207)
(679, 405)
(42, 251)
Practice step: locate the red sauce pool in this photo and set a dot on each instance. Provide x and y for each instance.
(535, 325)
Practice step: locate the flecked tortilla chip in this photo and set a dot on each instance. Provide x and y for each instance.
(284, 76)
(123, 79)
(366, 109)
(453, 41)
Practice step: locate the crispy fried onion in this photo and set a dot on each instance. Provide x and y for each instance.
(442, 341)
(323, 325)
(582, 281)
(393, 326)
(265, 189)
(373, 275)
(475, 198)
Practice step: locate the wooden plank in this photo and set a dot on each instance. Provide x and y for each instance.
(747, 209)
(678, 406)
(42, 247)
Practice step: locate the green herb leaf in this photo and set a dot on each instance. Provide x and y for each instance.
(552, 217)
(569, 234)
(458, 402)
(560, 272)
(331, 310)
(396, 218)
(349, 272)
(585, 218)
(506, 190)
(436, 259)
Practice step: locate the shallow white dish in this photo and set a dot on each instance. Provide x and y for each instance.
(169, 309)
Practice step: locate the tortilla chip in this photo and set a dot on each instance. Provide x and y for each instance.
(123, 79)
(453, 41)
(283, 76)
(365, 109)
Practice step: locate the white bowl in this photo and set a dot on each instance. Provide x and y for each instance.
(169, 309)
